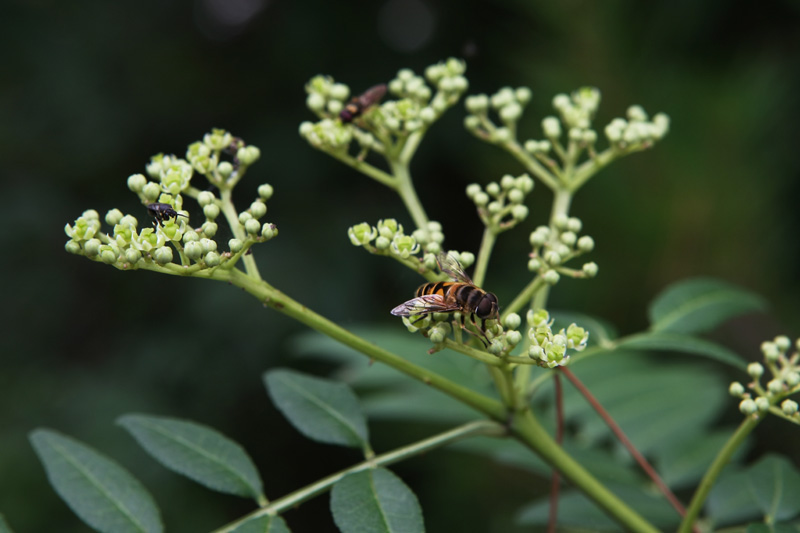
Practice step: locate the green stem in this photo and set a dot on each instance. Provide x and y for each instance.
(365, 168)
(232, 217)
(713, 472)
(482, 263)
(279, 301)
(530, 432)
(531, 164)
(472, 429)
(405, 188)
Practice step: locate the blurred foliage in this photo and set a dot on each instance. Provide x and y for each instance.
(91, 90)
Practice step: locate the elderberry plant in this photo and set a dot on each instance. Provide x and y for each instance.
(377, 134)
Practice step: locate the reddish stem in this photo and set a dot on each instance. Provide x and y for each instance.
(625, 442)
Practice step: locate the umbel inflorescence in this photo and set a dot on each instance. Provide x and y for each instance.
(169, 241)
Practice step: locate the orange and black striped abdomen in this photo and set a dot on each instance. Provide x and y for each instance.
(442, 288)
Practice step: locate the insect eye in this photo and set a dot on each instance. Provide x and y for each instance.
(486, 306)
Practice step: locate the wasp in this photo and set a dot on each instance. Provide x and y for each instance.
(162, 212)
(357, 105)
(460, 294)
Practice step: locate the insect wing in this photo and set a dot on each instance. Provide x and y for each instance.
(371, 96)
(450, 266)
(422, 305)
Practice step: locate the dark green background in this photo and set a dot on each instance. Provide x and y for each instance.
(90, 90)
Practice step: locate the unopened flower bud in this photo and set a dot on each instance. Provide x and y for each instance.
(585, 244)
(755, 370)
(108, 255)
(193, 250)
(513, 337)
(208, 245)
(472, 190)
(211, 259)
(235, 245)
(590, 269)
(748, 407)
(258, 209)
(211, 211)
(789, 407)
(209, 228)
(762, 403)
(736, 389)
(132, 255)
(92, 247)
(225, 169)
(551, 277)
(770, 350)
(519, 212)
(151, 191)
(775, 386)
(265, 191)
(252, 226)
(248, 155)
(136, 182)
(205, 198)
(783, 343)
(163, 255)
(512, 321)
(269, 231)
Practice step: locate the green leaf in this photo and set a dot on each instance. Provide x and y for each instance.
(197, 452)
(4, 527)
(576, 511)
(654, 402)
(730, 502)
(684, 463)
(700, 304)
(775, 484)
(375, 501)
(102, 493)
(263, 524)
(322, 410)
(390, 394)
(685, 344)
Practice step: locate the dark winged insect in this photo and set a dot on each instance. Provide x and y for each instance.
(162, 212)
(460, 294)
(357, 105)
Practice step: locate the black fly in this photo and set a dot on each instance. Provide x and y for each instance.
(162, 212)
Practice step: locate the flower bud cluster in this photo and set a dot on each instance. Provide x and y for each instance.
(507, 103)
(388, 238)
(325, 97)
(784, 372)
(548, 347)
(171, 238)
(637, 131)
(172, 175)
(404, 116)
(327, 134)
(554, 246)
(500, 204)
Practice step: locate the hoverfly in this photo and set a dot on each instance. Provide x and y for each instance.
(461, 295)
(358, 104)
(162, 212)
